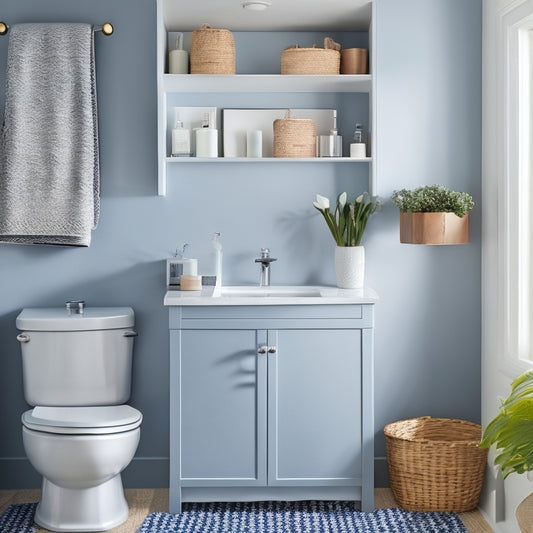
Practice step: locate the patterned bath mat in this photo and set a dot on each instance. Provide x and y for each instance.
(18, 518)
(297, 517)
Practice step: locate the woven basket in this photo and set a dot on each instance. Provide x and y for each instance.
(314, 60)
(212, 51)
(294, 137)
(435, 464)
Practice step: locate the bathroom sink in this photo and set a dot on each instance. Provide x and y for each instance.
(279, 291)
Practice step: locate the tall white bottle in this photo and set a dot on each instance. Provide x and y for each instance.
(207, 138)
(178, 59)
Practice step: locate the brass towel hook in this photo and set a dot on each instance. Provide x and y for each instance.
(3, 28)
(106, 28)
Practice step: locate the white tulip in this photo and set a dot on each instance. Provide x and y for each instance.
(360, 198)
(321, 202)
(342, 200)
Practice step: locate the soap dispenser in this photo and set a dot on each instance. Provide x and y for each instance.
(217, 258)
(207, 137)
(178, 59)
(358, 146)
(330, 145)
(180, 265)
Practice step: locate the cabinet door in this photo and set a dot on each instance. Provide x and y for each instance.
(314, 397)
(222, 412)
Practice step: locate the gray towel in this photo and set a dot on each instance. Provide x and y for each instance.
(49, 162)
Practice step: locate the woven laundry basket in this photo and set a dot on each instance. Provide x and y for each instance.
(354, 61)
(327, 60)
(294, 137)
(435, 464)
(212, 51)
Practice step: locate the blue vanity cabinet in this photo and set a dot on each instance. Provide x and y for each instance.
(271, 402)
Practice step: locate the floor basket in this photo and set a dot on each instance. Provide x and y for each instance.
(435, 464)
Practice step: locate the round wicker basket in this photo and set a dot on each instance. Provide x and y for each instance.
(435, 464)
(314, 60)
(212, 51)
(294, 137)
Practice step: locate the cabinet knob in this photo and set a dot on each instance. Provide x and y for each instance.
(262, 349)
(272, 349)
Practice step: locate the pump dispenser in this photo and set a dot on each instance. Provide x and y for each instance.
(207, 137)
(358, 146)
(330, 145)
(178, 59)
(217, 258)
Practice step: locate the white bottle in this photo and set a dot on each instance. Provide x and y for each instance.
(178, 59)
(358, 146)
(181, 140)
(207, 138)
(217, 259)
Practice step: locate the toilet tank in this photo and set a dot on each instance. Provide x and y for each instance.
(74, 359)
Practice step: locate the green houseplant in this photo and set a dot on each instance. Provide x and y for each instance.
(347, 225)
(433, 214)
(511, 431)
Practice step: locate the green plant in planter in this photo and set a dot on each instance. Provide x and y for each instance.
(433, 199)
(512, 429)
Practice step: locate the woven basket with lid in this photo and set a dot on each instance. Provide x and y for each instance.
(212, 51)
(294, 137)
(327, 60)
(435, 464)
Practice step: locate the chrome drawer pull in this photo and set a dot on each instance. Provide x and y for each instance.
(272, 349)
(262, 349)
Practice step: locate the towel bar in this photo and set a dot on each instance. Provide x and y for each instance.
(106, 28)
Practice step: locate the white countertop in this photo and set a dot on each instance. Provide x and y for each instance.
(274, 295)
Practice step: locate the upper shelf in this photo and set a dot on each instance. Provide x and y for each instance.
(266, 83)
(282, 15)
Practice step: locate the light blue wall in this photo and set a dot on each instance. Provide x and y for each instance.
(428, 319)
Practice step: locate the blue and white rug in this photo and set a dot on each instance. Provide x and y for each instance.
(297, 517)
(18, 518)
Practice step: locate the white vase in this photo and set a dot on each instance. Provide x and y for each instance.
(350, 266)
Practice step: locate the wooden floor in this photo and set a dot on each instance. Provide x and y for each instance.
(144, 501)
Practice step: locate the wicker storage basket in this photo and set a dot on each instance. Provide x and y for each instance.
(314, 60)
(435, 464)
(354, 61)
(212, 51)
(294, 137)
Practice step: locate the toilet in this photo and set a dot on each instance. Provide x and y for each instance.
(80, 435)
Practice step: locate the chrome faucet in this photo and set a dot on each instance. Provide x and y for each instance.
(265, 261)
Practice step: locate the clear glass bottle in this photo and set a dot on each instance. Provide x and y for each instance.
(181, 140)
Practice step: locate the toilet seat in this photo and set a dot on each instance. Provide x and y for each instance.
(82, 420)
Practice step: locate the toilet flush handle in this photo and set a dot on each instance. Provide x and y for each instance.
(23, 338)
(130, 334)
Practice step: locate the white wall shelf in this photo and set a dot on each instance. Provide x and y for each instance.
(266, 83)
(258, 90)
(261, 160)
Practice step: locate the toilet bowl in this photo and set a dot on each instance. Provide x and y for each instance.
(80, 452)
(80, 435)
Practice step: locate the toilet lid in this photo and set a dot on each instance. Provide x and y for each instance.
(82, 420)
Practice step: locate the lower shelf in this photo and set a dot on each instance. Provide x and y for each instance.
(185, 160)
